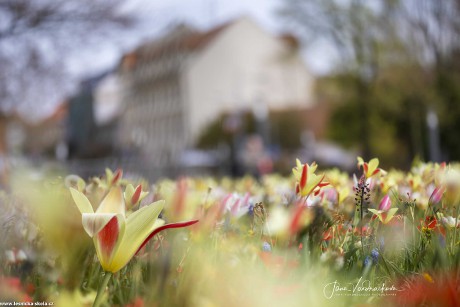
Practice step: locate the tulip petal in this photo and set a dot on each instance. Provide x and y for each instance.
(138, 227)
(366, 169)
(373, 164)
(313, 168)
(136, 195)
(81, 201)
(94, 222)
(304, 177)
(161, 228)
(129, 191)
(390, 215)
(117, 176)
(108, 240)
(376, 212)
(385, 204)
(113, 202)
(298, 164)
(296, 170)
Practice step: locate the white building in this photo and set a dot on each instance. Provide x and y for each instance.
(177, 85)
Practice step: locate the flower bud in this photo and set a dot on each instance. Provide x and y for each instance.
(385, 203)
(136, 195)
(436, 196)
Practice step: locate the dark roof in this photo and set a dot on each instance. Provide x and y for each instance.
(181, 38)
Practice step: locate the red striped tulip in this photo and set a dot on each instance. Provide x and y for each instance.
(117, 237)
(436, 196)
(133, 195)
(385, 204)
(370, 169)
(307, 180)
(384, 213)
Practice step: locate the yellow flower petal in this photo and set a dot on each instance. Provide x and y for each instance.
(376, 212)
(372, 166)
(129, 191)
(113, 202)
(139, 225)
(81, 201)
(390, 215)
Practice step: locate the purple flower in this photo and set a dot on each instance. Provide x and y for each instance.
(375, 255)
(367, 261)
(266, 247)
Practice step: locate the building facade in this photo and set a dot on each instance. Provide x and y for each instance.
(177, 85)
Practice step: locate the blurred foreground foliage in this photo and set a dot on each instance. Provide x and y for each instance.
(257, 242)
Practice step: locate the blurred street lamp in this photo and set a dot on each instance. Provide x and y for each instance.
(261, 115)
(433, 136)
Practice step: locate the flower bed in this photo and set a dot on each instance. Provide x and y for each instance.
(317, 238)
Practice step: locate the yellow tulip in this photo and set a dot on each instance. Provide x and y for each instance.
(117, 237)
(370, 169)
(307, 180)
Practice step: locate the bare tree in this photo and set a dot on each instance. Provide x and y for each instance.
(356, 28)
(37, 38)
(373, 36)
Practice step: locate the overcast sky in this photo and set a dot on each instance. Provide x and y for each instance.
(204, 14)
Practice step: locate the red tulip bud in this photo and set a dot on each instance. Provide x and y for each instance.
(117, 176)
(136, 194)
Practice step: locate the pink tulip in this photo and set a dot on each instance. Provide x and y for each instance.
(436, 196)
(385, 204)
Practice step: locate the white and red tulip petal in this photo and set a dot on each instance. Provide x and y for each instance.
(108, 240)
(94, 222)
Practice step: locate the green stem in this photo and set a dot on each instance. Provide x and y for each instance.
(455, 231)
(101, 289)
(413, 224)
(362, 216)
